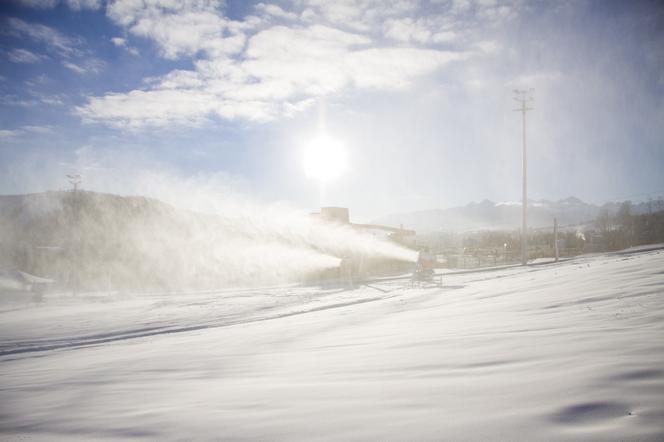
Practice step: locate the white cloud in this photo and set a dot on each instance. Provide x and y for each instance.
(275, 11)
(537, 79)
(89, 66)
(180, 79)
(166, 107)
(128, 12)
(444, 37)
(118, 41)
(4, 133)
(406, 30)
(360, 15)
(76, 5)
(460, 6)
(49, 100)
(180, 28)
(51, 38)
(256, 70)
(291, 109)
(390, 68)
(494, 12)
(38, 129)
(38, 80)
(23, 56)
(38, 4)
(431, 29)
(52, 101)
(281, 71)
(75, 68)
(181, 34)
(122, 43)
(490, 47)
(24, 130)
(288, 61)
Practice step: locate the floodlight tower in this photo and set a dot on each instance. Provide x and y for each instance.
(525, 98)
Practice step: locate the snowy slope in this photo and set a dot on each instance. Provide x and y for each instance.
(573, 351)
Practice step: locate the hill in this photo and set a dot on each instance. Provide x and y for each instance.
(94, 241)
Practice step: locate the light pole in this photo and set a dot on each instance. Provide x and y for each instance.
(524, 97)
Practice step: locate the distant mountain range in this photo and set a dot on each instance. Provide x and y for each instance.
(504, 215)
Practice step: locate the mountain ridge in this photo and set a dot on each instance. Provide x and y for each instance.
(489, 215)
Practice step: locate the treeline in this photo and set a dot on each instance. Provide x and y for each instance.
(613, 229)
(616, 231)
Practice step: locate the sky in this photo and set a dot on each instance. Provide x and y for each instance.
(228, 95)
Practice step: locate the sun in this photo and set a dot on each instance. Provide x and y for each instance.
(325, 159)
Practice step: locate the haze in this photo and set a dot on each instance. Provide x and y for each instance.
(419, 92)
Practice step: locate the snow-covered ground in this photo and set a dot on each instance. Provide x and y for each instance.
(567, 351)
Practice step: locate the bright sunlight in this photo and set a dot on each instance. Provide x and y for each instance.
(325, 159)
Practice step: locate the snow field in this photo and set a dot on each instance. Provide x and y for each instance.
(569, 351)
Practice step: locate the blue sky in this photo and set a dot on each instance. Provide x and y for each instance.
(419, 92)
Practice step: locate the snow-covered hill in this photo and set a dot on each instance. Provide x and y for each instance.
(565, 352)
(97, 241)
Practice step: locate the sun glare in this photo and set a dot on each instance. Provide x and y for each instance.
(325, 159)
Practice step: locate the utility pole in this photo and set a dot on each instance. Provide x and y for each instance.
(74, 180)
(524, 97)
(555, 237)
(75, 241)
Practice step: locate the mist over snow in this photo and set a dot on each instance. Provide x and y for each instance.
(205, 237)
